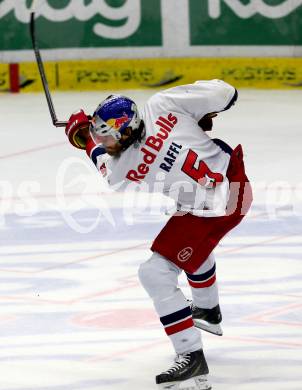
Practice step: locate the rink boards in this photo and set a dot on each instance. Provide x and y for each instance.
(115, 74)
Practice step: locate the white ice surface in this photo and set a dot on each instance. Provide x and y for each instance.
(73, 315)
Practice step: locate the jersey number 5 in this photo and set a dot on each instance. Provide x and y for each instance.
(202, 174)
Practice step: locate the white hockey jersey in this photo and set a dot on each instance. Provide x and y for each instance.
(176, 157)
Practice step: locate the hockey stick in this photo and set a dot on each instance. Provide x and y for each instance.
(51, 108)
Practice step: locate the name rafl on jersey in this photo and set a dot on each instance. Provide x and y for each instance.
(171, 156)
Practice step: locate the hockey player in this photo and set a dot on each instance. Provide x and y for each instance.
(208, 182)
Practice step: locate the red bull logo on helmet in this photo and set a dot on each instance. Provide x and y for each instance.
(117, 123)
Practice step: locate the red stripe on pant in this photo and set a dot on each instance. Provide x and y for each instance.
(188, 323)
(207, 283)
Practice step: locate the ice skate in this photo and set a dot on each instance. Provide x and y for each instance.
(207, 319)
(189, 372)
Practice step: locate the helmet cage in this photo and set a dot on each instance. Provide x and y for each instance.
(99, 128)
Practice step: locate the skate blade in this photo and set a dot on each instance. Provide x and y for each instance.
(197, 383)
(211, 328)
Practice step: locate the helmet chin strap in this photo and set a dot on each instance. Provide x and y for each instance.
(136, 135)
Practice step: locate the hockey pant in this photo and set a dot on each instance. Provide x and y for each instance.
(188, 240)
(159, 277)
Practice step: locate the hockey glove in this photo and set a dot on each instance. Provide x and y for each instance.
(206, 123)
(77, 129)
